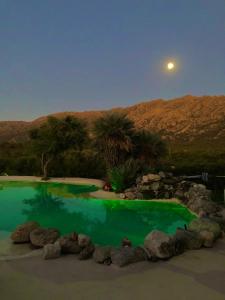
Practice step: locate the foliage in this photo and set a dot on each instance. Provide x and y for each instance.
(149, 147)
(66, 149)
(124, 176)
(56, 136)
(113, 133)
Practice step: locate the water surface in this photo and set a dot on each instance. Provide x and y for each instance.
(70, 208)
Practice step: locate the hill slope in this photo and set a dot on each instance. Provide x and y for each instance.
(186, 121)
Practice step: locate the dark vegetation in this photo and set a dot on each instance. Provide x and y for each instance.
(112, 149)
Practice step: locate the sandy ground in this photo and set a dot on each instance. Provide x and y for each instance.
(97, 182)
(194, 275)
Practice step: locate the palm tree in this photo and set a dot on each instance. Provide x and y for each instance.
(113, 133)
(149, 147)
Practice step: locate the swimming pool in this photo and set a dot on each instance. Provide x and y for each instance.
(70, 208)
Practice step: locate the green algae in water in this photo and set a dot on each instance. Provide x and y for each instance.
(69, 208)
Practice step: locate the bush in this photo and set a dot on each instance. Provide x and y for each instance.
(125, 175)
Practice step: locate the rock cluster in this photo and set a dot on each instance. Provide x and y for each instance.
(201, 232)
(165, 186)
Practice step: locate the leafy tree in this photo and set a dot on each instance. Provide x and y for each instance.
(148, 147)
(113, 133)
(56, 136)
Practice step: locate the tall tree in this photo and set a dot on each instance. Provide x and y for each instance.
(56, 136)
(149, 147)
(113, 133)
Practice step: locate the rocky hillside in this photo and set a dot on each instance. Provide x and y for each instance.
(183, 121)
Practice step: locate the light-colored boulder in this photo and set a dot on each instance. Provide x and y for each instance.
(208, 238)
(51, 251)
(205, 224)
(160, 244)
(22, 232)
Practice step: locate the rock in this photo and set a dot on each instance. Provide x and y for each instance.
(222, 213)
(208, 238)
(83, 240)
(126, 242)
(51, 251)
(160, 244)
(87, 252)
(187, 240)
(199, 199)
(218, 219)
(153, 177)
(162, 174)
(130, 195)
(69, 245)
(42, 236)
(127, 255)
(155, 186)
(202, 214)
(22, 232)
(205, 224)
(122, 196)
(102, 254)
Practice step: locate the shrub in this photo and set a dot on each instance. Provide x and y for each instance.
(124, 176)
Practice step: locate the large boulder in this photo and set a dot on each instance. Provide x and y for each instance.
(83, 240)
(160, 244)
(87, 252)
(187, 240)
(22, 232)
(102, 254)
(208, 238)
(69, 245)
(205, 224)
(199, 199)
(42, 236)
(51, 251)
(127, 255)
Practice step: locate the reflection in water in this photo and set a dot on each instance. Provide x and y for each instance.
(107, 222)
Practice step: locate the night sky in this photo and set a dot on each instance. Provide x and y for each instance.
(68, 55)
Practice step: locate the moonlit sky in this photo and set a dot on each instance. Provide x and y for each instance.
(68, 55)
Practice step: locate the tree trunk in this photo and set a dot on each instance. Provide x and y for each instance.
(44, 164)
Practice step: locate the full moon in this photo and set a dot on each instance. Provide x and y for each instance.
(170, 66)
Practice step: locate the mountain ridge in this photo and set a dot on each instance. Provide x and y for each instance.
(184, 120)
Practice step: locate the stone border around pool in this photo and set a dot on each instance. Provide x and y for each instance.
(201, 232)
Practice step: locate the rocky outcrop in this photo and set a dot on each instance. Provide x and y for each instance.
(43, 236)
(22, 232)
(160, 244)
(51, 251)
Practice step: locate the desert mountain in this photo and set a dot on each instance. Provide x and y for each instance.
(183, 121)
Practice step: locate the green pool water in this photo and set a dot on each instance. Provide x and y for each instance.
(70, 208)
